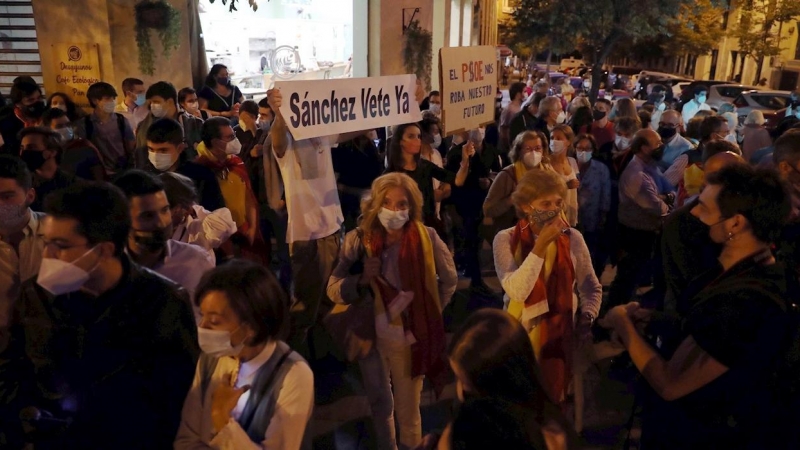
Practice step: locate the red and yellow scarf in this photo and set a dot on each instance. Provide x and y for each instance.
(552, 332)
(422, 319)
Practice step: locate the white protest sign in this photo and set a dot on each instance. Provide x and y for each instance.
(469, 84)
(325, 107)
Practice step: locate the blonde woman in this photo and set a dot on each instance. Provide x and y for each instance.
(542, 263)
(407, 273)
(530, 150)
(560, 146)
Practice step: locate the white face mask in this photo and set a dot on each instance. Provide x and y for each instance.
(562, 116)
(622, 142)
(66, 134)
(217, 343)
(192, 106)
(557, 147)
(12, 216)
(701, 99)
(60, 277)
(108, 107)
(393, 220)
(731, 138)
(584, 157)
(532, 159)
(157, 110)
(437, 140)
(243, 125)
(233, 147)
(161, 161)
(662, 106)
(435, 108)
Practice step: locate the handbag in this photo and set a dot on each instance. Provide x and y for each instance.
(352, 326)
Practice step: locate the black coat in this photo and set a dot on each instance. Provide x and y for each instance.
(117, 366)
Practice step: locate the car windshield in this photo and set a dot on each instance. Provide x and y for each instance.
(770, 101)
(732, 91)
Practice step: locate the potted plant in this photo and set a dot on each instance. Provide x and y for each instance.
(159, 16)
(418, 53)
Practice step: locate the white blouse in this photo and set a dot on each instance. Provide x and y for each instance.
(518, 281)
(286, 429)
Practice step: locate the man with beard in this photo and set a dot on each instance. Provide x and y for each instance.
(645, 197)
(149, 243)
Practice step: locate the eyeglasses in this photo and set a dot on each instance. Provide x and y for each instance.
(584, 149)
(539, 149)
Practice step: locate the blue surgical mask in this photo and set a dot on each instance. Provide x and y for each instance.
(140, 99)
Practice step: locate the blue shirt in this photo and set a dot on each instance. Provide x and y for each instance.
(594, 195)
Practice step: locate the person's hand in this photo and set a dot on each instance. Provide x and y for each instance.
(467, 151)
(549, 233)
(223, 400)
(235, 108)
(618, 315)
(573, 184)
(484, 183)
(256, 151)
(281, 205)
(275, 99)
(372, 269)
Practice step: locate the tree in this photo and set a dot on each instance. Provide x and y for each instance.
(532, 28)
(597, 26)
(759, 28)
(697, 30)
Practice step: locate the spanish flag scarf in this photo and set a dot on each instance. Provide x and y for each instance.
(422, 317)
(552, 332)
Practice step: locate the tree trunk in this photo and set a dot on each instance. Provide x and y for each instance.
(547, 66)
(759, 65)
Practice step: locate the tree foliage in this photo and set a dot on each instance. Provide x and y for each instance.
(697, 30)
(758, 29)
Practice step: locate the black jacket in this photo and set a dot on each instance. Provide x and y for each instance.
(118, 366)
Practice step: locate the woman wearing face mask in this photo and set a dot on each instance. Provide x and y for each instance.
(219, 97)
(62, 101)
(430, 151)
(392, 261)
(404, 157)
(594, 199)
(625, 107)
(187, 98)
(542, 263)
(218, 152)
(530, 150)
(250, 389)
(566, 166)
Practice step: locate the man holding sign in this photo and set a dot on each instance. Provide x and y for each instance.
(310, 118)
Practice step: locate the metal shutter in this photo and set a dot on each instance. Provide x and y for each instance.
(19, 49)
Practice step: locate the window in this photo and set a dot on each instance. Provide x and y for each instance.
(770, 101)
(797, 45)
(740, 101)
(730, 91)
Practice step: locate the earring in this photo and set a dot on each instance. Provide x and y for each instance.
(730, 236)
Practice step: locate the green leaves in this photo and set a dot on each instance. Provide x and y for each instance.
(160, 16)
(418, 53)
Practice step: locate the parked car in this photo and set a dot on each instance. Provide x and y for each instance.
(688, 91)
(726, 93)
(771, 103)
(650, 79)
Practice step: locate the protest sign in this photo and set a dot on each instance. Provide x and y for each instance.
(469, 83)
(325, 107)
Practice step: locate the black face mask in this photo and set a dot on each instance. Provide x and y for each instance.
(658, 153)
(667, 133)
(35, 110)
(225, 81)
(33, 159)
(598, 115)
(153, 241)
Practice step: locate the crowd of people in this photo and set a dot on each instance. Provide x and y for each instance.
(175, 262)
